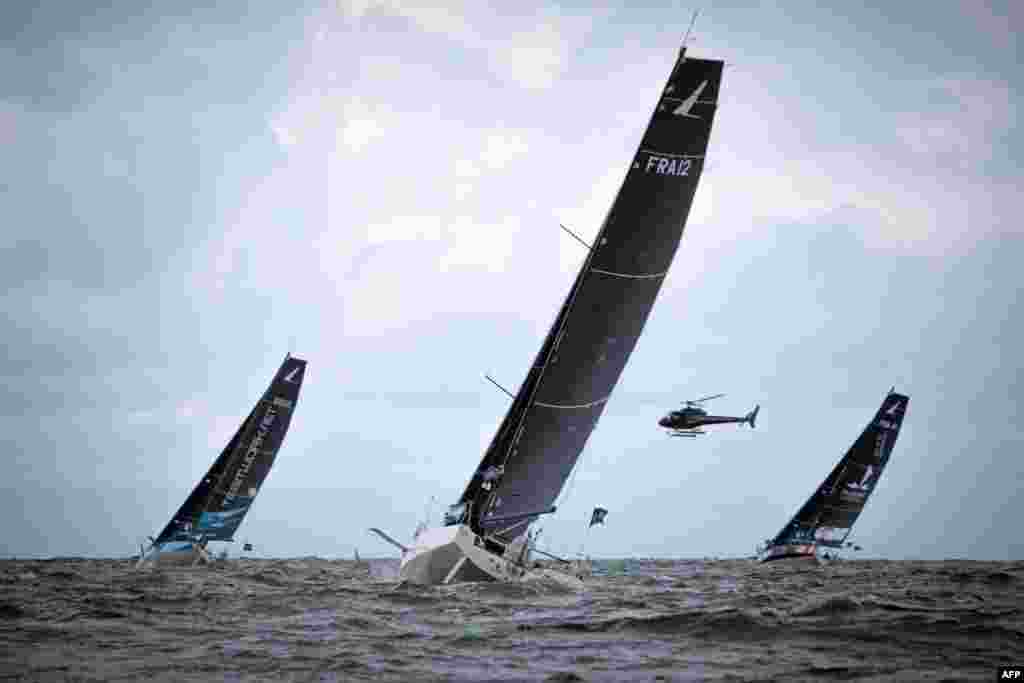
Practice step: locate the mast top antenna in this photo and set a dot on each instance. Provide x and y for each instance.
(686, 37)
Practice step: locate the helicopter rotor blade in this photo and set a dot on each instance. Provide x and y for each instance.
(707, 398)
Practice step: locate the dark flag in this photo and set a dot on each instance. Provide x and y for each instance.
(597, 517)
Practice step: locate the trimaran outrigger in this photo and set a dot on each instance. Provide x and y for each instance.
(484, 536)
(220, 500)
(827, 517)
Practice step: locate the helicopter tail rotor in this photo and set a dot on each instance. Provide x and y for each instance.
(752, 415)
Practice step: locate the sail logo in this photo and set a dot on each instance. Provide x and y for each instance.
(893, 412)
(254, 449)
(290, 377)
(686, 105)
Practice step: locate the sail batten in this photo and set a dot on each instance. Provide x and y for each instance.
(570, 406)
(631, 276)
(564, 394)
(223, 496)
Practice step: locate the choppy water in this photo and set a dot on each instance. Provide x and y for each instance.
(319, 620)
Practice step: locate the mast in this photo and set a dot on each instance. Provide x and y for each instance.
(596, 328)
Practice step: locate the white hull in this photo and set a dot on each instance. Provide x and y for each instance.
(452, 554)
(432, 556)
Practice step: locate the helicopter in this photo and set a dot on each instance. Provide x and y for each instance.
(688, 420)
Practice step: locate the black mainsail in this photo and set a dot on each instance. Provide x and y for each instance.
(221, 499)
(559, 403)
(828, 515)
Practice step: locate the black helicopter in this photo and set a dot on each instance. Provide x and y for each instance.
(688, 420)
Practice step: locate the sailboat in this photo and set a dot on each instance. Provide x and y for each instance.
(826, 519)
(523, 470)
(221, 499)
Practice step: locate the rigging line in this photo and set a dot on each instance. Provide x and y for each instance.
(567, 493)
(575, 236)
(491, 380)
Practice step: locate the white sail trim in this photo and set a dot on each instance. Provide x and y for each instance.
(572, 407)
(645, 150)
(650, 276)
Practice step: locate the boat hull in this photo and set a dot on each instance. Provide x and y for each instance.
(431, 558)
(454, 554)
(175, 554)
(791, 551)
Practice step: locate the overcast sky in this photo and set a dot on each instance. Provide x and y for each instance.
(186, 194)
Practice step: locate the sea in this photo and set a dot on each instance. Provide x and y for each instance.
(321, 620)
